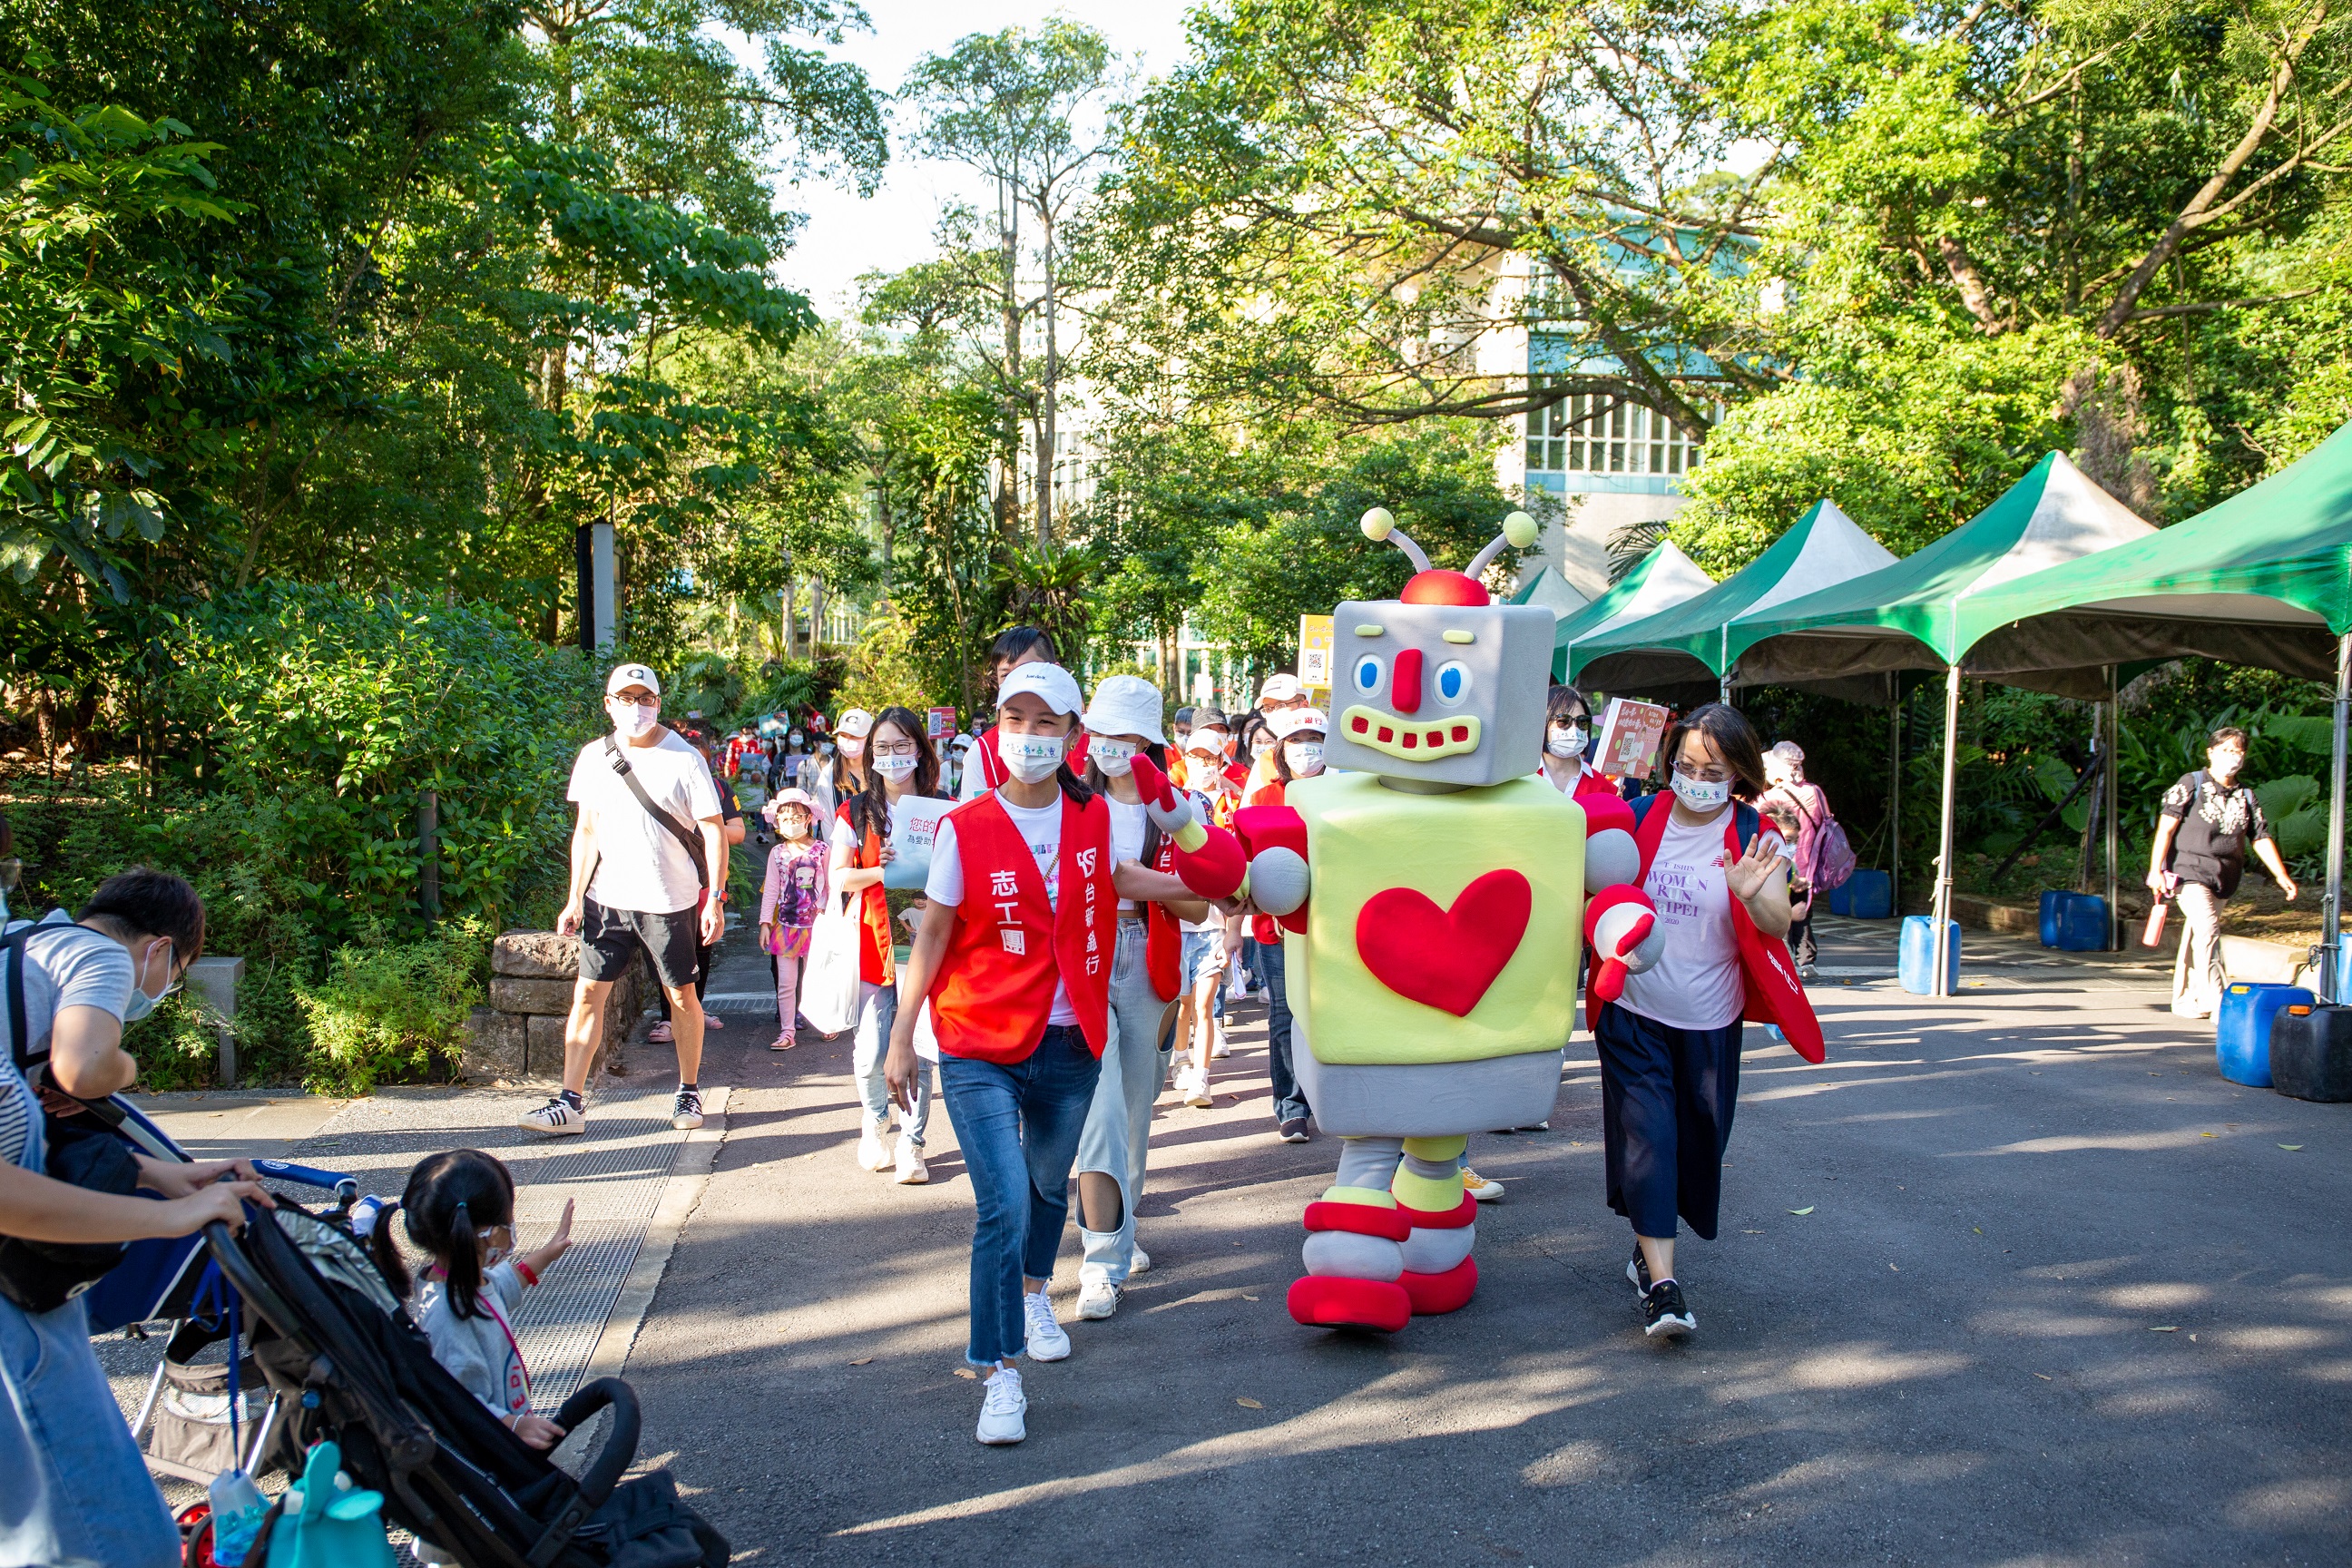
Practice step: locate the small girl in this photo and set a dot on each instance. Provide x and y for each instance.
(790, 901)
(459, 1209)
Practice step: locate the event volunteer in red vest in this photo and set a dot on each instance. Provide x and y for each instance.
(1568, 734)
(1123, 728)
(1015, 957)
(1669, 1044)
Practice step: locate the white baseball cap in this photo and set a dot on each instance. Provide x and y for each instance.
(624, 676)
(1290, 721)
(1057, 686)
(1282, 686)
(854, 722)
(1126, 705)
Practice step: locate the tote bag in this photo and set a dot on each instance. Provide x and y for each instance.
(828, 995)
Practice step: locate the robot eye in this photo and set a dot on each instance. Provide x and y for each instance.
(1369, 672)
(1453, 682)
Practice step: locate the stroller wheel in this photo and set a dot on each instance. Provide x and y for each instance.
(196, 1523)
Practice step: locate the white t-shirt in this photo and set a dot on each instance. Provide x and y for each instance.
(1127, 838)
(1697, 984)
(1041, 828)
(641, 864)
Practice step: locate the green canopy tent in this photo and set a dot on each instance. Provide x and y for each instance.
(2264, 578)
(1690, 643)
(1553, 592)
(1926, 612)
(1659, 581)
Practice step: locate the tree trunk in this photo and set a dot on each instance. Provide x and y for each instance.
(816, 615)
(1048, 378)
(1008, 492)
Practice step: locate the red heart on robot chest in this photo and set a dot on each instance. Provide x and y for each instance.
(1444, 958)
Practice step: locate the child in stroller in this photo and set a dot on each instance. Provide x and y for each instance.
(459, 1207)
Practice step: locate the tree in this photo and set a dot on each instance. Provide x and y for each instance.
(1004, 104)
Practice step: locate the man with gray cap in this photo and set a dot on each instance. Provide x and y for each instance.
(649, 871)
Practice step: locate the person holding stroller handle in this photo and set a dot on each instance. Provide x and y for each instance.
(77, 1488)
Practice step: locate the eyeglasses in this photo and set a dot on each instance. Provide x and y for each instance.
(895, 749)
(1710, 773)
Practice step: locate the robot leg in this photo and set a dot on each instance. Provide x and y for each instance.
(1439, 1273)
(1355, 1245)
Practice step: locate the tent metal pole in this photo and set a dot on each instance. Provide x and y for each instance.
(1895, 804)
(2110, 737)
(1939, 926)
(2332, 915)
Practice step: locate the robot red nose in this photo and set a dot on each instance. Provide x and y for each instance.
(1404, 691)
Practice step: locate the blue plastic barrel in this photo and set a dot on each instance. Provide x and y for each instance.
(1842, 898)
(2073, 922)
(2241, 1037)
(1869, 896)
(1916, 967)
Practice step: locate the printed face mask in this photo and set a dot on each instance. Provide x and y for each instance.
(635, 720)
(896, 768)
(1566, 741)
(1305, 757)
(1701, 794)
(1030, 758)
(1116, 758)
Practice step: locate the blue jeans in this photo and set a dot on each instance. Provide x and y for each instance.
(75, 1488)
(877, 1010)
(1290, 1099)
(1018, 1124)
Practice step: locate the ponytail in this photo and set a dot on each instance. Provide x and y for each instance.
(1073, 788)
(386, 1253)
(461, 1262)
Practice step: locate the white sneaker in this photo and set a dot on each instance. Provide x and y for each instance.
(1046, 1339)
(912, 1171)
(873, 1149)
(1142, 1263)
(1001, 1413)
(556, 1116)
(1193, 1084)
(1098, 1299)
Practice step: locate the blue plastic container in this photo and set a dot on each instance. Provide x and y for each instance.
(1917, 966)
(2241, 1038)
(2073, 922)
(1869, 896)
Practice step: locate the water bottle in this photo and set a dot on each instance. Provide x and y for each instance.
(237, 1511)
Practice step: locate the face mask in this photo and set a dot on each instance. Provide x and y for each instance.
(853, 746)
(1116, 758)
(635, 720)
(140, 1004)
(1031, 757)
(795, 825)
(1305, 757)
(798, 741)
(897, 769)
(1565, 743)
(1698, 794)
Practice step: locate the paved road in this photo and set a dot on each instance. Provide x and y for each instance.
(2060, 1296)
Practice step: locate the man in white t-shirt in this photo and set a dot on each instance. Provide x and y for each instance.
(636, 886)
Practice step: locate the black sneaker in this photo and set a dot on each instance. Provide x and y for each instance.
(1664, 1314)
(1638, 1271)
(686, 1110)
(1294, 1129)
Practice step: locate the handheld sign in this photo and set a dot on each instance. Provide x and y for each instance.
(914, 825)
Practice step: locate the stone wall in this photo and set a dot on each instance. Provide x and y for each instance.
(520, 1035)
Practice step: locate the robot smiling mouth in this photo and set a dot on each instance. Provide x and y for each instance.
(1408, 740)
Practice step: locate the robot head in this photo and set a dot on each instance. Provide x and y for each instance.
(1440, 685)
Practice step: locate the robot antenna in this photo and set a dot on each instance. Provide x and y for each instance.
(1381, 523)
(1518, 530)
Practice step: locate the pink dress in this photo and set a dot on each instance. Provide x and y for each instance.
(790, 899)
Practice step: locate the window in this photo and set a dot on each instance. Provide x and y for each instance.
(1590, 434)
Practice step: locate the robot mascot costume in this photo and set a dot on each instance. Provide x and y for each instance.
(1435, 898)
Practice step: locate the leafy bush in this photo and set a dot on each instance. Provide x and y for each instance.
(393, 1009)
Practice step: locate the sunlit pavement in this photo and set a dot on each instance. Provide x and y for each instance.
(2058, 1293)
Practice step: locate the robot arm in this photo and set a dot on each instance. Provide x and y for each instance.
(1621, 929)
(1208, 860)
(1275, 838)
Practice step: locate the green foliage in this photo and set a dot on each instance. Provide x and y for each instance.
(394, 1010)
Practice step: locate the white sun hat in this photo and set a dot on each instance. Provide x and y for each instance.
(1057, 686)
(1126, 705)
(1290, 721)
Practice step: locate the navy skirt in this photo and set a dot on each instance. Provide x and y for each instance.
(1666, 1099)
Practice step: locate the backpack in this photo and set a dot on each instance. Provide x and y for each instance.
(1834, 857)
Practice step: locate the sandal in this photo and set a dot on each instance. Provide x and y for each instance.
(660, 1035)
(783, 1042)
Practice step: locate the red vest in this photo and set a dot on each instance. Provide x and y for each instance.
(1774, 994)
(994, 991)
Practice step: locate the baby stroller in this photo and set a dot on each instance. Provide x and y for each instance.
(342, 1361)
